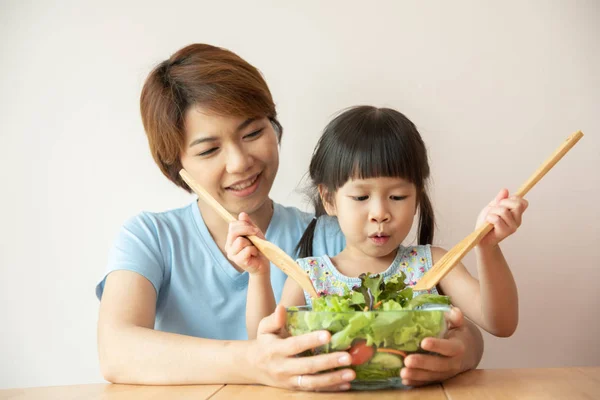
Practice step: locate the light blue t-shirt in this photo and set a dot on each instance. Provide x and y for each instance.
(199, 292)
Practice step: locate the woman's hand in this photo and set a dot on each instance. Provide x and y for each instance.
(452, 356)
(274, 357)
(241, 251)
(505, 213)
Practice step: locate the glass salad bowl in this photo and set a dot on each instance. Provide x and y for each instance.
(378, 340)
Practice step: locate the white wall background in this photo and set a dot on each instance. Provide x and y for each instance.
(494, 87)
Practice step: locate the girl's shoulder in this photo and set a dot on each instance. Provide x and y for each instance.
(414, 262)
(308, 263)
(415, 252)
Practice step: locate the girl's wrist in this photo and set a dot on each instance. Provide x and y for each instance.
(488, 249)
(488, 252)
(261, 275)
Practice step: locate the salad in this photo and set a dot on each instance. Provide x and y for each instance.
(379, 323)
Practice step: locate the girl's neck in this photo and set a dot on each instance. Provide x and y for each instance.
(353, 262)
(218, 228)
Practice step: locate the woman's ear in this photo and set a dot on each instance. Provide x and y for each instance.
(326, 200)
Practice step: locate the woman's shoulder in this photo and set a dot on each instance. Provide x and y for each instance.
(295, 215)
(287, 214)
(151, 223)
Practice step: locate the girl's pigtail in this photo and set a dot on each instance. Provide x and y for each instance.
(426, 220)
(305, 245)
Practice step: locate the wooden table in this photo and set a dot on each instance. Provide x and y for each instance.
(543, 383)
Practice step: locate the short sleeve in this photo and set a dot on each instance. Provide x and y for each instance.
(136, 248)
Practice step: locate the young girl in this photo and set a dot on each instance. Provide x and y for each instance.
(370, 170)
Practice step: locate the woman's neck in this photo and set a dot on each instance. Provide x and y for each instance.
(218, 228)
(353, 262)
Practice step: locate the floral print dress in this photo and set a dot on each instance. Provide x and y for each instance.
(414, 261)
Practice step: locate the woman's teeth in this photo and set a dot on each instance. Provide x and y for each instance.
(244, 185)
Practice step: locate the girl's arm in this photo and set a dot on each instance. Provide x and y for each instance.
(259, 303)
(293, 294)
(261, 300)
(132, 352)
(492, 302)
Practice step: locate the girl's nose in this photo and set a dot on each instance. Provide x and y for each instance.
(379, 214)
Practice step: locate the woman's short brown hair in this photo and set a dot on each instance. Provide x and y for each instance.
(198, 75)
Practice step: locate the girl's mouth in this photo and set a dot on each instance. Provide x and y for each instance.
(379, 239)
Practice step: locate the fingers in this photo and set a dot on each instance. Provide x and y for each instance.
(298, 344)
(503, 194)
(241, 250)
(443, 347)
(273, 323)
(239, 229)
(420, 377)
(318, 363)
(515, 205)
(422, 369)
(329, 381)
(503, 221)
(455, 318)
(285, 370)
(243, 217)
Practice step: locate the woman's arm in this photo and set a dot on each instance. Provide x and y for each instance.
(132, 352)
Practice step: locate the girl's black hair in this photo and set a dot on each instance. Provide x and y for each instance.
(369, 142)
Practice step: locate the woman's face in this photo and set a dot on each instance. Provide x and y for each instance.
(235, 159)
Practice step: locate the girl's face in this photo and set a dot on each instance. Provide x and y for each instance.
(375, 214)
(235, 159)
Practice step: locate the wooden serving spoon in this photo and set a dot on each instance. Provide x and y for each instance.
(271, 251)
(445, 264)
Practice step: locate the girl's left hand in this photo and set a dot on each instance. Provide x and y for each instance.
(450, 355)
(505, 213)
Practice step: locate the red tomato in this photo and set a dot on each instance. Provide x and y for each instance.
(360, 352)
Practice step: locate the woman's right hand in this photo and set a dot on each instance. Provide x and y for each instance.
(241, 251)
(274, 357)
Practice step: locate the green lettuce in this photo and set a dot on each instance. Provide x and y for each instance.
(387, 315)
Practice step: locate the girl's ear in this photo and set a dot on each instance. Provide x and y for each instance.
(326, 198)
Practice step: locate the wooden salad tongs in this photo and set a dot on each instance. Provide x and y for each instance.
(445, 264)
(271, 251)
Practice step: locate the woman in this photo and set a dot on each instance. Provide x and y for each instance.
(172, 306)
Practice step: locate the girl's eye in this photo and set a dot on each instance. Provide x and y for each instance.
(398, 197)
(254, 134)
(208, 152)
(360, 198)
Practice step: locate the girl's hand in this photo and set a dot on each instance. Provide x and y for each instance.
(423, 369)
(273, 356)
(241, 251)
(505, 213)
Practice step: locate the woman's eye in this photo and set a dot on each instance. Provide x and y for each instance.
(208, 152)
(254, 134)
(360, 198)
(398, 197)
